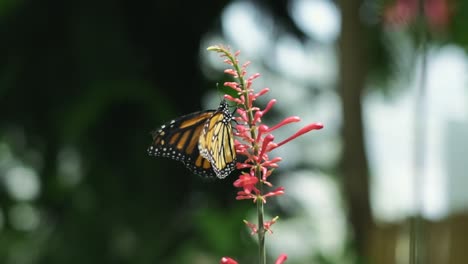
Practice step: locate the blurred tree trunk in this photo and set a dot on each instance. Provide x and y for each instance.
(353, 72)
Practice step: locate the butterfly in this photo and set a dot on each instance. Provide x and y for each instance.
(203, 141)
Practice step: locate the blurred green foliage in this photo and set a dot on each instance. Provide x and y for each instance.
(86, 82)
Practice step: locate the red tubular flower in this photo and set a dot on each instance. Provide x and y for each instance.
(288, 120)
(302, 131)
(232, 85)
(438, 13)
(277, 192)
(231, 72)
(266, 141)
(247, 182)
(241, 195)
(281, 259)
(227, 260)
(253, 227)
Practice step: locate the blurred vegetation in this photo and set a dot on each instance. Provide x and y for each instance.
(82, 83)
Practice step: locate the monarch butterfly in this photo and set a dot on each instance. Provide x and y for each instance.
(203, 141)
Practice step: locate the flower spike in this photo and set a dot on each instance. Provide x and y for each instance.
(255, 141)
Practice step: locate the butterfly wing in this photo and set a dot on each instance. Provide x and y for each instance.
(216, 143)
(178, 140)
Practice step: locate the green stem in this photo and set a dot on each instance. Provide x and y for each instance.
(258, 173)
(417, 254)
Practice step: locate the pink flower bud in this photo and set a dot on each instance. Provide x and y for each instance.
(231, 72)
(277, 192)
(262, 92)
(269, 106)
(227, 260)
(228, 61)
(281, 259)
(253, 77)
(269, 138)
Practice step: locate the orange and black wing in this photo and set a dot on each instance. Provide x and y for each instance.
(178, 140)
(216, 143)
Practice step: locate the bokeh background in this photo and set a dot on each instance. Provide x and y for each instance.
(82, 84)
